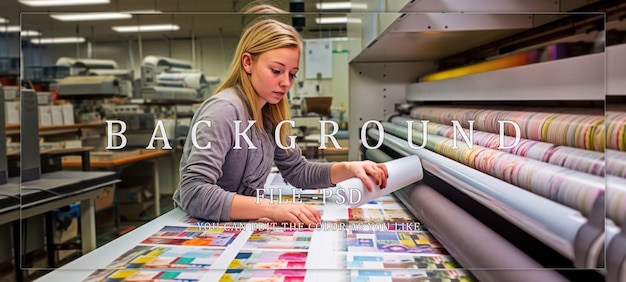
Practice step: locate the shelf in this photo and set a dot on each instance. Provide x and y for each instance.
(58, 152)
(485, 6)
(117, 158)
(430, 30)
(12, 126)
(577, 78)
(54, 129)
(71, 126)
(428, 37)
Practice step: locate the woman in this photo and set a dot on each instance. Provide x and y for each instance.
(218, 182)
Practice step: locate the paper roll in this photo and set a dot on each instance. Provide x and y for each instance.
(110, 72)
(189, 80)
(402, 172)
(87, 63)
(158, 61)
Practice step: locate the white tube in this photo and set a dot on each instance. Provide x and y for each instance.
(402, 172)
(189, 80)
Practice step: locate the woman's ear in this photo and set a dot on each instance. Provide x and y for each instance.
(246, 62)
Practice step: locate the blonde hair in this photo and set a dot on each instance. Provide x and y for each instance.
(262, 9)
(259, 37)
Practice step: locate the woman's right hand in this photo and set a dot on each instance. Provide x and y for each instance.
(296, 213)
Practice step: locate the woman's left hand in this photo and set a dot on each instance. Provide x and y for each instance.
(366, 169)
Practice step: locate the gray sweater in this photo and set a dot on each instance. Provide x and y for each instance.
(210, 177)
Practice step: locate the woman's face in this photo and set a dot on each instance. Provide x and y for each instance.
(272, 73)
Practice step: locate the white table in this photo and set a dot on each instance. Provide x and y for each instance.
(323, 261)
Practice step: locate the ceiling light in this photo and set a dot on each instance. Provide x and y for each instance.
(57, 40)
(332, 20)
(46, 3)
(146, 28)
(29, 33)
(340, 6)
(144, 12)
(10, 28)
(91, 16)
(334, 6)
(17, 28)
(3, 20)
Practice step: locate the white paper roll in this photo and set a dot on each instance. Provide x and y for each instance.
(189, 80)
(158, 61)
(87, 63)
(402, 172)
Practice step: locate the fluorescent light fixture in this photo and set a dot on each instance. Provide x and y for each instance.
(3, 20)
(330, 38)
(11, 28)
(332, 20)
(340, 6)
(57, 40)
(143, 12)
(48, 3)
(29, 33)
(146, 28)
(91, 16)
(334, 6)
(17, 28)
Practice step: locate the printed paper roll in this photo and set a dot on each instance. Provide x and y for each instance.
(402, 172)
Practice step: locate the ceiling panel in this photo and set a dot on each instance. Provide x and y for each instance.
(201, 18)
